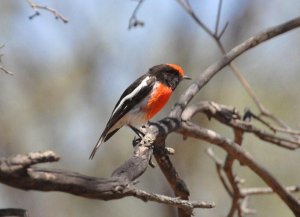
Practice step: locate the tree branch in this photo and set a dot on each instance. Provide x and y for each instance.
(37, 7)
(230, 117)
(208, 74)
(2, 68)
(19, 173)
(178, 185)
(217, 38)
(158, 132)
(192, 130)
(133, 20)
(259, 191)
(211, 71)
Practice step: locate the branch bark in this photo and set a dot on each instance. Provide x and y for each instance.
(19, 173)
(230, 117)
(192, 130)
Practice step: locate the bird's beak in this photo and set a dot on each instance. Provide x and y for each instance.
(186, 77)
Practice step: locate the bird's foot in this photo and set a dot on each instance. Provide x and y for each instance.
(137, 131)
(136, 141)
(151, 164)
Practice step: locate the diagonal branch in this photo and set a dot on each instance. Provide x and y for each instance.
(2, 68)
(186, 5)
(235, 52)
(6, 71)
(178, 185)
(217, 38)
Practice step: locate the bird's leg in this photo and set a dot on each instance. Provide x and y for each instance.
(137, 131)
(151, 162)
(136, 141)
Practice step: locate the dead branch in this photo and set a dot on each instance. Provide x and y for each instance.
(230, 117)
(193, 89)
(235, 52)
(158, 132)
(133, 20)
(19, 173)
(260, 191)
(2, 68)
(216, 36)
(37, 7)
(178, 185)
(192, 130)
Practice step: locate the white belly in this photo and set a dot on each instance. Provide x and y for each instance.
(134, 117)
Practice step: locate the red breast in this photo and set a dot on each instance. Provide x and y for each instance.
(157, 100)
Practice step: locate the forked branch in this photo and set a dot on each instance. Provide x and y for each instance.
(37, 7)
(235, 52)
(216, 36)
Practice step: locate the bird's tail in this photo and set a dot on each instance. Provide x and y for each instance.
(100, 141)
(103, 138)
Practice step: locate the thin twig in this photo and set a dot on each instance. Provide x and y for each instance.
(230, 181)
(2, 68)
(251, 115)
(266, 190)
(223, 30)
(186, 5)
(37, 7)
(235, 184)
(287, 131)
(218, 17)
(220, 171)
(177, 202)
(133, 20)
(6, 71)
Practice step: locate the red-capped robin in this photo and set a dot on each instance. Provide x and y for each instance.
(142, 100)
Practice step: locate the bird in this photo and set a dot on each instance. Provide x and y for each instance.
(143, 99)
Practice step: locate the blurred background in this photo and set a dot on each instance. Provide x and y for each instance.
(68, 77)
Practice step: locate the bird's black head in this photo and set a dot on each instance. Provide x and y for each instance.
(169, 74)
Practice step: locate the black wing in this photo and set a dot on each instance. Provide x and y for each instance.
(124, 106)
(121, 109)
